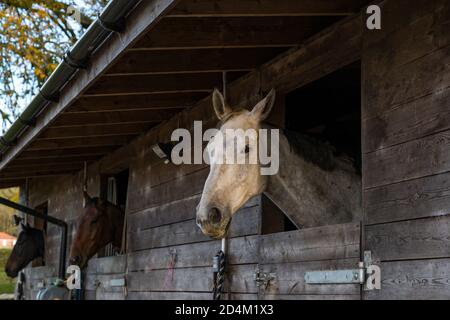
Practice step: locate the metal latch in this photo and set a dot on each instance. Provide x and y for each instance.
(367, 274)
(263, 278)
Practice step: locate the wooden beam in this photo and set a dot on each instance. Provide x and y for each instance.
(125, 85)
(36, 174)
(139, 21)
(192, 61)
(66, 153)
(113, 117)
(96, 130)
(251, 8)
(191, 33)
(133, 102)
(30, 169)
(79, 142)
(50, 161)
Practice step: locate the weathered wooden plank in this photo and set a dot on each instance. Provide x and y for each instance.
(221, 32)
(85, 151)
(418, 198)
(322, 243)
(50, 161)
(325, 52)
(107, 265)
(44, 167)
(242, 250)
(40, 273)
(71, 143)
(103, 282)
(403, 124)
(241, 279)
(192, 60)
(233, 8)
(413, 280)
(422, 32)
(104, 295)
(172, 83)
(145, 197)
(159, 295)
(312, 297)
(406, 83)
(413, 159)
(395, 17)
(245, 222)
(96, 130)
(290, 278)
(143, 101)
(176, 211)
(116, 117)
(147, 173)
(416, 239)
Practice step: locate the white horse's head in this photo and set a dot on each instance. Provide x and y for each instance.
(234, 175)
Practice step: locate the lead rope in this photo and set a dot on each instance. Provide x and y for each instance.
(219, 258)
(219, 271)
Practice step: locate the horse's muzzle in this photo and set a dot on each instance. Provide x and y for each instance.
(216, 224)
(10, 273)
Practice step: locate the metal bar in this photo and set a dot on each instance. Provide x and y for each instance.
(334, 277)
(60, 223)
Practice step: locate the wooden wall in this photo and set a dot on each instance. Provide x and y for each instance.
(406, 143)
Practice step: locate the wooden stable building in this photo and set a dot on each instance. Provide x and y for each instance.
(381, 96)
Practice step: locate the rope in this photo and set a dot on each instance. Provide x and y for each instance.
(219, 274)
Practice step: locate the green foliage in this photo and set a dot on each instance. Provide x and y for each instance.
(6, 214)
(7, 285)
(34, 35)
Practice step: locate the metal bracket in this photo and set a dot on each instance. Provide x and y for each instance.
(120, 282)
(263, 278)
(367, 274)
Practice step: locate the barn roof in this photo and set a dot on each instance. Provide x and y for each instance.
(169, 56)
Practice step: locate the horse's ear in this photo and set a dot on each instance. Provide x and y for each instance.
(101, 204)
(86, 197)
(17, 220)
(263, 108)
(24, 226)
(219, 105)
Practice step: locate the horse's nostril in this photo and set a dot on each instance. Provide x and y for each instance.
(215, 215)
(75, 260)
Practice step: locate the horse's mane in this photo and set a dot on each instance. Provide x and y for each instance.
(311, 149)
(94, 200)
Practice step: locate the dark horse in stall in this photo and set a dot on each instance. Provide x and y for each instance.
(30, 245)
(100, 224)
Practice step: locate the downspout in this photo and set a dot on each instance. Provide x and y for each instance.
(59, 223)
(111, 19)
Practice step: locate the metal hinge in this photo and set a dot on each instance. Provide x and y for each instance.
(366, 274)
(263, 278)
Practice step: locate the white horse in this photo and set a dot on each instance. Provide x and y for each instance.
(313, 186)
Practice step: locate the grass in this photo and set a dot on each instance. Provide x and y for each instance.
(6, 284)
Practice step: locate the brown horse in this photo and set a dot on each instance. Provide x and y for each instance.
(29, 246)
(100, 224)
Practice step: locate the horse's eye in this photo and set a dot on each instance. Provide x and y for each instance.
(247, 149)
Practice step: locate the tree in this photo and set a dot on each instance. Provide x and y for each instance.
(34, 37)
(6, 213)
